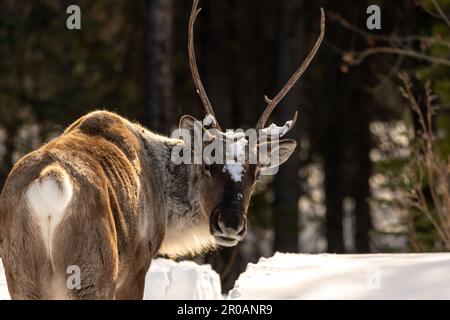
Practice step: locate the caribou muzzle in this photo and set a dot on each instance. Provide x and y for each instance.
(228, 226)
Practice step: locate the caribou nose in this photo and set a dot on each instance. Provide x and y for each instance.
(231, 225)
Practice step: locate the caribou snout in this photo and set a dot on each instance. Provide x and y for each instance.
(228, 226)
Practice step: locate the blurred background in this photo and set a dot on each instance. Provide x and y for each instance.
(372, 170)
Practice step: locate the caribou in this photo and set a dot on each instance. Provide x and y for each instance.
(106, 197)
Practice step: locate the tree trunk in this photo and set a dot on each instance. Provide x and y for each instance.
(344, 117)
(159, 70)
(218, 59)
(285, 210)
(333, 195)
(362, 144)
(332, 108)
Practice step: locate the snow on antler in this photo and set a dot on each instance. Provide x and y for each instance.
(209, 120)
(275, 131)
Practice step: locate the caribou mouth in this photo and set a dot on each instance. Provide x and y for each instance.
(227, 240)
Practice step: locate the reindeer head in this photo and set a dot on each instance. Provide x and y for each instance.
(231, 162)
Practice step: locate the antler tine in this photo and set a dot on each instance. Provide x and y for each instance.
(193, 62)
(271, 104)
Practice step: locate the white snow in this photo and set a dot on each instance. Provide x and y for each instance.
(167, 279)
(235, 143)
(235, 170)
(304, 276)
(275, 131)
(184, 280)
(209, 120)
(328, 276)
(4, 294)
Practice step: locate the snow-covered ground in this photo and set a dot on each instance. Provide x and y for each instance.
(183, 280)
(329, 276)
(4, 294)
(304, 276)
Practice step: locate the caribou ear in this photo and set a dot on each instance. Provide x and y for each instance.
(191, 128)
(187, 122)
(286, 147)
(191, 124)
(273, 154)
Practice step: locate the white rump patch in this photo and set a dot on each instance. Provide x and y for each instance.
(48, 197)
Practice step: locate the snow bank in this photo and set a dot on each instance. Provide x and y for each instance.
(183, 280)
(302, 276)
(167, 279)
(327, 276)
(4, 294)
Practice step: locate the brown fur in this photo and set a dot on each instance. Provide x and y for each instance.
(115, 169)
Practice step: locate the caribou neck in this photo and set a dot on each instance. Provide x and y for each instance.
(178, 185)
(178, 188)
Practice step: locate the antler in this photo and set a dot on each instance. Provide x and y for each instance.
(271, 104)
(193, 63)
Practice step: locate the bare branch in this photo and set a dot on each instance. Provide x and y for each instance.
(441, 12)
(392, 38)
(355, 58)
(427, 166)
